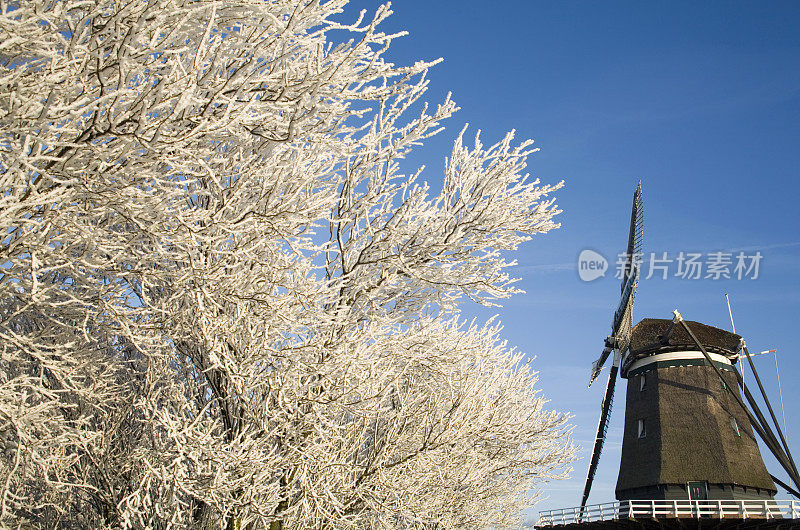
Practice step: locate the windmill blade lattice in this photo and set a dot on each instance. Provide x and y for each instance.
(621, 327)
(623, 317)
(602, 430)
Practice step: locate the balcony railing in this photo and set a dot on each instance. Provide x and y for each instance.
(750, 509)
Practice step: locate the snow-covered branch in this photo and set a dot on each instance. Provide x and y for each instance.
(221, 302)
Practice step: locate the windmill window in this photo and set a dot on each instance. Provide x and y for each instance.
(735, 426)
(641, 430)
(642, 382)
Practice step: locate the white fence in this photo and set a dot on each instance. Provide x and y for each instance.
(766, 509)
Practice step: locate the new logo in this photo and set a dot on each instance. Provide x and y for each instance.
(591, 265)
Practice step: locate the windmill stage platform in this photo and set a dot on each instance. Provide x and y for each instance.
(677, 514)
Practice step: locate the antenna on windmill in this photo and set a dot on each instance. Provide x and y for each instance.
(780, 390)
(733, 326)
(619, 340)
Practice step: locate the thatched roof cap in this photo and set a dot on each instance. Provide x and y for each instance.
(648, 337)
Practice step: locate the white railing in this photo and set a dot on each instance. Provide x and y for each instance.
(751, 509)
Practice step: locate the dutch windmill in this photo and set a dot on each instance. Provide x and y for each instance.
(689, 434)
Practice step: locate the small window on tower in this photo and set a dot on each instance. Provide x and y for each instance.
(642, 382)
(641, 429)
(735, 426)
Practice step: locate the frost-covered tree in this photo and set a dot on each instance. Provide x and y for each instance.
(222, 305)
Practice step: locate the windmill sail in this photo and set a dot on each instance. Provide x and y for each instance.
(602, 429)
(620, 332)
(635, 235)
(597, 366)
(623, 318)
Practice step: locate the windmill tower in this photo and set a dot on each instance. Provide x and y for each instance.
(688, 434)
(685, 435)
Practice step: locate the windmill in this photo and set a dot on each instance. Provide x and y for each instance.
(689, 433)
(620, 336)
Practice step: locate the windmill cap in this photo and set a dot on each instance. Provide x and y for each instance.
(653, 335)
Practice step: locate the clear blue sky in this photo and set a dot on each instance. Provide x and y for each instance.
(699, 100)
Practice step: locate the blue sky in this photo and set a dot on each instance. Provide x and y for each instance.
(699, 101)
